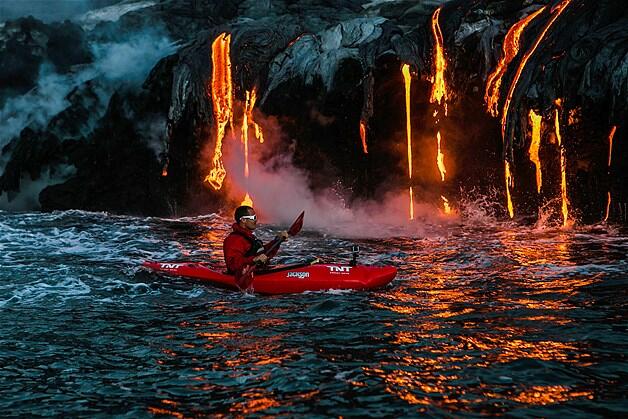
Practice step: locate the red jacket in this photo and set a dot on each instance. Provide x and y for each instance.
(238, 246)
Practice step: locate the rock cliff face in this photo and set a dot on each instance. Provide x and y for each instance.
(329, 74)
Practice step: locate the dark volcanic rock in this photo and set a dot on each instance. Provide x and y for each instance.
(26, 43)
(322, 67)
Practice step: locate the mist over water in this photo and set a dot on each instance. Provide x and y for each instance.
(485, 319)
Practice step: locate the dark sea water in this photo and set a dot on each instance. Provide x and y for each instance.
(481, 321)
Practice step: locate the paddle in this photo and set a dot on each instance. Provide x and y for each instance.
(244, 278)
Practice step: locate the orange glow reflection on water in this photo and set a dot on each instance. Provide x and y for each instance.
(457, 328)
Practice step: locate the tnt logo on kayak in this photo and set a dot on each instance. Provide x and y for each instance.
(339, 269)
(170, 265)
(300, 275)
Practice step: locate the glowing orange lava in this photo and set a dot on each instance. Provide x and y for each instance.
(610, 144)
(446, 206)
(439, 93)
(405, 70)
(611, 135)
(363, 136)
(535, 143)
(440, 159)
(247, 120)
(509, 184)
(563, 166)
(247, 201)
(557, 11)
(222, 100)
(510, 50)
(439, 89)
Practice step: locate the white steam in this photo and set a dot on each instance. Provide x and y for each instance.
(115, 64)
(280, 192)
(127, 62)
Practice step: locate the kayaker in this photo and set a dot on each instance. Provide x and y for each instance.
(241, 247)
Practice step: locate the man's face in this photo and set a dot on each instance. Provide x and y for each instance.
(249, 220)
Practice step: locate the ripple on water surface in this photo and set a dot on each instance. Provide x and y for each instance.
(487, 320)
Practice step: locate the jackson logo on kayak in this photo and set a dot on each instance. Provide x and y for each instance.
(300, 275)
(170, 265)
(339, 269)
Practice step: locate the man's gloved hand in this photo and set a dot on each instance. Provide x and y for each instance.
(261, 259)
(283, 235)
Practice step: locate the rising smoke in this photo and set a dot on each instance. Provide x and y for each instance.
(115, 65)
(280, 191)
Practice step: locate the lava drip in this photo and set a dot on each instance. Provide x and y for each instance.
(563, 165)
(367, 109)
(535, 144)
(510, 49)
(247, 120)
(363, 136)
(439, 89)
(556, 12)
(439, 94)
(405, 70)
(611, 135)
(509, 184)
(222, 100)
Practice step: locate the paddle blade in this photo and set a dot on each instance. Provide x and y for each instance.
(244, 277)
(297, 225)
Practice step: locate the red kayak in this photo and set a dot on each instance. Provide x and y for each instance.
(288, 279)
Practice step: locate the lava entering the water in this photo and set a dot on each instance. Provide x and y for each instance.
(557, 11)
(509, 184)
(510, 49)
(405, 70)
(247, 201)
(563, 165)
(222, 100)
(439, 94)
(535, 144)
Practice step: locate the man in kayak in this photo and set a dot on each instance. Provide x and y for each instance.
(241, 247)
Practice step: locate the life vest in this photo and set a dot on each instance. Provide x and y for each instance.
(256, 244)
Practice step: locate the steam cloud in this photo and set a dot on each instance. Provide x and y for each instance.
(115, 64)
(280, 192)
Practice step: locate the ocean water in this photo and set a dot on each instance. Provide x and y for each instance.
(495, 319)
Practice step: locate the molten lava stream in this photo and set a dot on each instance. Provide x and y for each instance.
(222, 100)
(439, 89)
(558, 10)
(363, 136)
(247, 119)
(563, 167)
(535, 144)
(439, 94)
(405, 70)
(611, 135)
(509, 184)
(510, 49)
